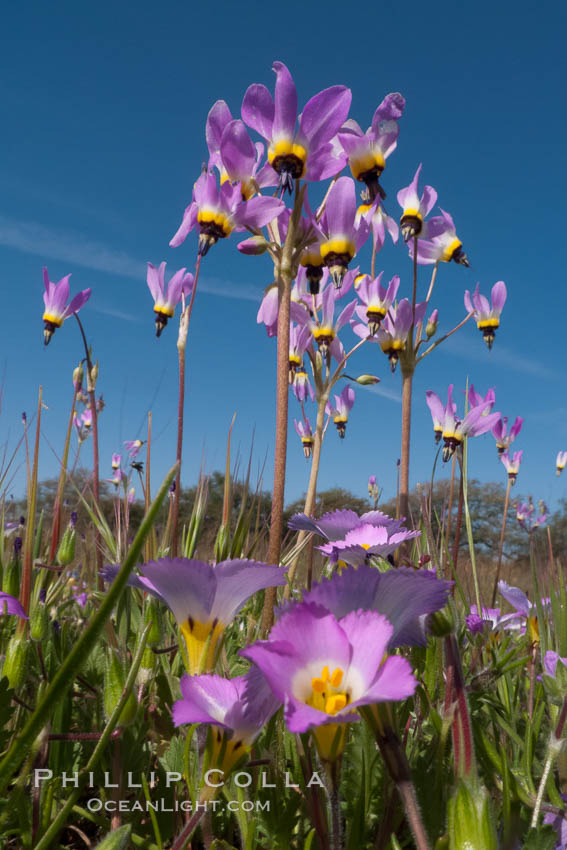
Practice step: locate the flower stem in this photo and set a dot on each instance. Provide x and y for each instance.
(407, 381)
(501, 545)
(56, 523)
(541, 789)
(181, 345)
(468, 524)
(25, 590)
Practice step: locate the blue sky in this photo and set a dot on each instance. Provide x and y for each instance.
(103, 135)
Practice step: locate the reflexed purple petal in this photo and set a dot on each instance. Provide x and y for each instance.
(341, 207)
(499, 294)
(217, 119)
(258, 211)
(345, 315)
(516, 597)
(237, 151)
(10, 605)
(285, 100)
(258, 110)
(188, 223)
(323, 116)
(206, 699)
(77, 302)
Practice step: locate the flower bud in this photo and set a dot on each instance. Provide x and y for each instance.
(66, 551)
(431, 326)
(78, 375)
(114, 680)
(92, 375)
(153, 615)
(367, 380)
(471, 825)
(146, 671)
(11, 578)
(440, 623)
(15, 663)
(39, 621)
(255, 246)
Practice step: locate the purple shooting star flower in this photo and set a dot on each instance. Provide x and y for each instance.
(325, 331)
(305, 434)
(204, 599)
(512, 464)
(56, 308)
(444, 244)
(299, 341)
(527, 516)
(116, 461)
(10, 605)
(415, 209)
(301, 386)
(380, 222)
(343, 234)
(341, 409)
(393, 332)
(323, 669)
(500, 433)
(368, 152)
(236, 709)
(376, 299)
(218, 211)
(181, 283)
(477, 421)
(308, 152)
(487, 316)
(561, 462)
(133, 447)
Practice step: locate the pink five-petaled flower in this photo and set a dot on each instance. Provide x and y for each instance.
(219, 211)
(204, 599)
(237, 709)
(181, 283)
(487, 316)
(499, 432)
(416, 208)
(308, 152)
(376, 299)
(512, 464)
(343, 232)
(453, 430)
(323, 669)
(56, 307)
(341, 409)
(368, 152)
(561, 462)
(305, 434)
(444, 244)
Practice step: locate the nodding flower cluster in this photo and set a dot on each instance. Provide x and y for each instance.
(450, 428)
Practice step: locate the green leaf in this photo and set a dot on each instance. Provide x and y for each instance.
(117, 840)
(544, 838)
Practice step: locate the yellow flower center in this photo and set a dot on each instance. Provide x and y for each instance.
(326, 696)
(55, 320)
(488, 323)
(202, 642)
(222, 221)
(453, 246)
(340, 245)
(366, 161)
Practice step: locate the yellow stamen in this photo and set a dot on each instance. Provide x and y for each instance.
(335, 703)
(336, 677)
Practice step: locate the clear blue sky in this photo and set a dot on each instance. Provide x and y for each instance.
(103, 111)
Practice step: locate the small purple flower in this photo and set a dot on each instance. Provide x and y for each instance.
(334, 525)
(116, 461)
(87, 419)
(376, 299)
(371, 481)
(299, 342)
(56, 308)
(343, 235)
(393, 332)
(525, 613)
(561, 462)
(204, 599)
(326, 329)
(305, 434)
(367, 541)
(301, 386)
(512, 464)
(368, 152)
(117, 479)
(476, 623)
(323, 669)
(444, 246)
(181, 283)
(237, 709)
(487, 316)
(500, 433)
(527, 516)
(133, 447)
(550, 661)
(415, 209)
(380, 222)
(306, 152)
(10, 605)
(218, 211)
(453, 430)
(341, 409)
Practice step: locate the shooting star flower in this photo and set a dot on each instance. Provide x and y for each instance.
(487, 316)
(55, 300)
(181, 283)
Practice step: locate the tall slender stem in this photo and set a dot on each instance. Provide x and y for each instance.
(501, 544)
(181, 345)
(285, 273)
(25, 590)
(468, 524)
(56, 522)
(407, 381)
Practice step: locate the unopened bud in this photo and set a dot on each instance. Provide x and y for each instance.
(367, 380)
(39, 621)
(15, 663)
(78, 376)
(431, 326)
(471, 825)
(92, 376)
(440, 623)
(66, 551)
(153, 615)
(114, 680)
(255, 246)
(146, 671)
(11, 578)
